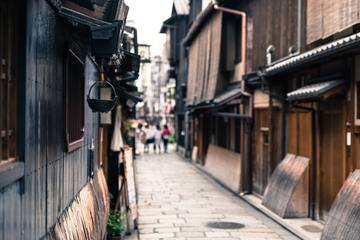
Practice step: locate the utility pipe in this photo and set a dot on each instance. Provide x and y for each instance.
(243, 42)
(299, 36)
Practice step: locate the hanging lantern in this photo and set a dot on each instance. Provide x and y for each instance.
(103, 104)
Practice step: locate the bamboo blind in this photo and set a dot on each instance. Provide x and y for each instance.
(327, 17)
(204, 61)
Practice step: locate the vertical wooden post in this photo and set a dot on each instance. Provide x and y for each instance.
(315, 165)
(271, 137)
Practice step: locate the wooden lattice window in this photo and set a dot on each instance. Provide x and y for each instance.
(9, 52)
(74, 100)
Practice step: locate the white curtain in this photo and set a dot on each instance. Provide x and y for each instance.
(117, 140)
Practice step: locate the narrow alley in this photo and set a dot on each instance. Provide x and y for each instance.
(179, 119)
(177, 200)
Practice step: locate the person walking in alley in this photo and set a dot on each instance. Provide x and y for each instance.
(149, 137)
(165, 136)
(157, 135)
(142, 135)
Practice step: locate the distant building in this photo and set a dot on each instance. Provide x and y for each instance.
(175, 29)
(144, 83)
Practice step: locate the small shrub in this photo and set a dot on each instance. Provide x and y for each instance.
(115, 225)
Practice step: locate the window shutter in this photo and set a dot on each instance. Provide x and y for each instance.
(9, 49)
(74, 101)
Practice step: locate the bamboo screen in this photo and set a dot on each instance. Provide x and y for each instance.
(204, 61)
(327, 17)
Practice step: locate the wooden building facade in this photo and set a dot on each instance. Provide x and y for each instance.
(311, 106)
(218, 106)
(272, 34)
(226, 112)
(49, 142)
(321, 120)
(175, 29)
(298, 106)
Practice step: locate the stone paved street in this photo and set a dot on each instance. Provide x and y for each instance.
(176, 201)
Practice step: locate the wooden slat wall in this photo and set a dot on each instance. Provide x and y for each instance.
(264, 159)
(52, 177)
(10, 209)
(299, 130)
(332, 160)
(269, 23)
(327, 17)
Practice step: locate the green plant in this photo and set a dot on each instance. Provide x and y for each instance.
(115, 225)
(171, 139)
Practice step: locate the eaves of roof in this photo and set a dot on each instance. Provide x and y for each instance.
(219, 100)
(315, 54)
(313, 91)
(182, 7)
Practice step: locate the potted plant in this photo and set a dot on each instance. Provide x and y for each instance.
(115, 226)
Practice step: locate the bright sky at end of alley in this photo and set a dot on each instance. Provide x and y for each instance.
(147, 17)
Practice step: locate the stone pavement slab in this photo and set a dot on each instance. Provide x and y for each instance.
(177, 201)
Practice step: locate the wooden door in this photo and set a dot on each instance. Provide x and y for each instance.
(299, 130)
(260, 151)
(332, 155)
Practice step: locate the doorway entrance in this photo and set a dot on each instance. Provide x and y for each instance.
(332, 162)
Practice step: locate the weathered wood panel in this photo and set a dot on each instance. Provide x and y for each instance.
(52, 177)
(264, 17)
(332, 155)
(299, 130)
(224, 165)
(10, 212)
(344, 217)
(287, 192)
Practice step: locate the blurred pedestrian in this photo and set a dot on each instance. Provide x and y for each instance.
(165, 136)
(149, 138)
(142, 135)
(157, 134)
